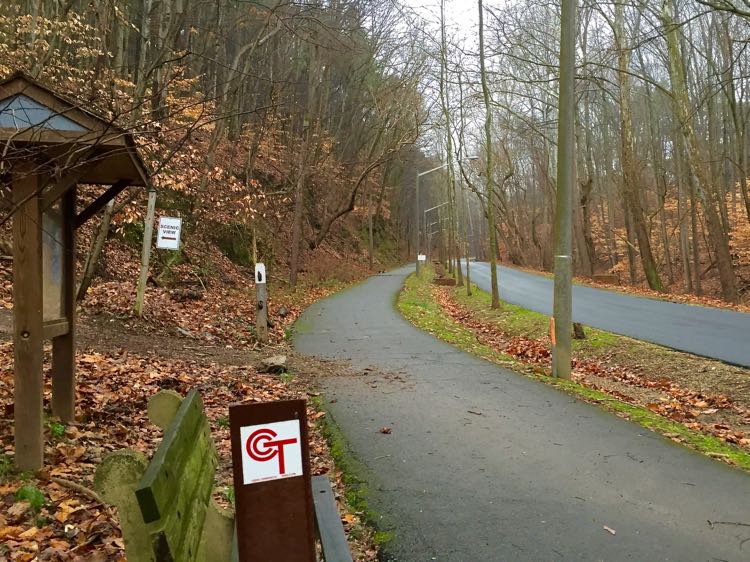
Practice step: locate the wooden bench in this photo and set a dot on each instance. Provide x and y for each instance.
(166, 509)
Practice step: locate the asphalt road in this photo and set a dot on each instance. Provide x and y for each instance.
(483, 464)
(709, 332)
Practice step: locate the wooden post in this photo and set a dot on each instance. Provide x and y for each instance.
(63, 347)
(27, 316)
(145, 252)
(261, 303)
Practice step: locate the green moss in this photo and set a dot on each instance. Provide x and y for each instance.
(417, 304)
(56, 429)
(354, 473)
(33, 495)
(299, 327)
(383, 537)
(234, 241)
(352, 470)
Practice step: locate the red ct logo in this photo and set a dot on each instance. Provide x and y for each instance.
(261, 447)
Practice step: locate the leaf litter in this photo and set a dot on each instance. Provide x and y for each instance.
(121, 363)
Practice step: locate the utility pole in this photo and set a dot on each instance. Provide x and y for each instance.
(566, 177)
(370, 241)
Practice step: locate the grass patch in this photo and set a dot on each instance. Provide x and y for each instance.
(417, 304)
(518, 321)
(6, 467)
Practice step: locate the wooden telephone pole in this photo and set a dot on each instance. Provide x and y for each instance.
(566, 177)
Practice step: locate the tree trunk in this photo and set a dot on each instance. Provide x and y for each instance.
(632, 267)
(490, 165)
(299, 186)
(719, 241)
(96, 249)
(627, 143)
(681, 214)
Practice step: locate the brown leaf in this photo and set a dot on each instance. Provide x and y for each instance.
(18, 509)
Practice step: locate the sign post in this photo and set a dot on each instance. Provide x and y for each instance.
(261, 300)
(273, 495)
(148, 229)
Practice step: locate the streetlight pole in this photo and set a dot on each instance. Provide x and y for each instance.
(416, 222)
(416, 209)
(566, 177)
(425, 222)
(416, 204)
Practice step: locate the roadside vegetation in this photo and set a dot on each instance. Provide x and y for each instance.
(701, 403)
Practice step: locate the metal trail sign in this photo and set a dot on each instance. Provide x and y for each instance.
(272, 482)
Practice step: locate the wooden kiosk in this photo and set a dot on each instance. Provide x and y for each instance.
(48, 146)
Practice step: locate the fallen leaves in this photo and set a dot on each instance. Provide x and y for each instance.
(113, 388)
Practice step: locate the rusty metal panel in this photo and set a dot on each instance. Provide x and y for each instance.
(273, 495)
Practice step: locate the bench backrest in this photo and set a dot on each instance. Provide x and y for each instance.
(175, 491)
(165, 508)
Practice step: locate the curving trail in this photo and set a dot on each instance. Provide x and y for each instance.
(483, 464)
(709, 332)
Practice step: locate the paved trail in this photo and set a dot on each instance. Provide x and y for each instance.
(710, 332)
(484, 464)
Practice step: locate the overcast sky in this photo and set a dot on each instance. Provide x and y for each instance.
(459, 14)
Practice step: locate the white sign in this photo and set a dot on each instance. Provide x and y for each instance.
(422, 257)
(271, 451)
(260, 273)
(168, 237)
